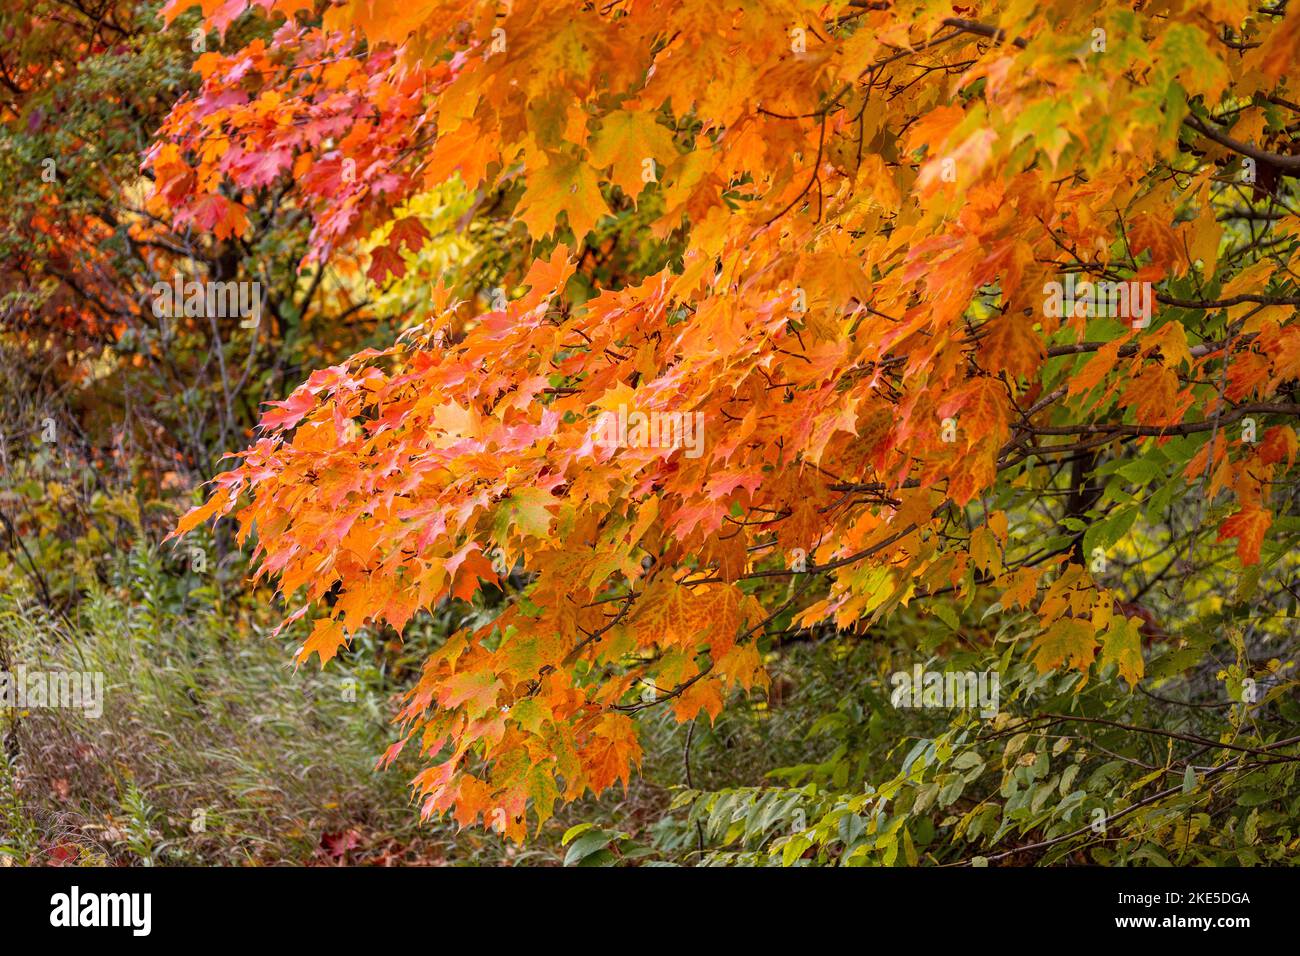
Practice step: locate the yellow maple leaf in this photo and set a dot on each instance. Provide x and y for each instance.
(636, 146)
(562, 185)
(1069, 642)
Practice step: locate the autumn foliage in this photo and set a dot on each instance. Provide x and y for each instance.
(861, 207)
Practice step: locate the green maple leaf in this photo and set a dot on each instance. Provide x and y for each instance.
(528, 510)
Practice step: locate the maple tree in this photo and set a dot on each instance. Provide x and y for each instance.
(82, 87)
(842, 226)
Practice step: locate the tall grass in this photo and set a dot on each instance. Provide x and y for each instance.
(210, 747)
